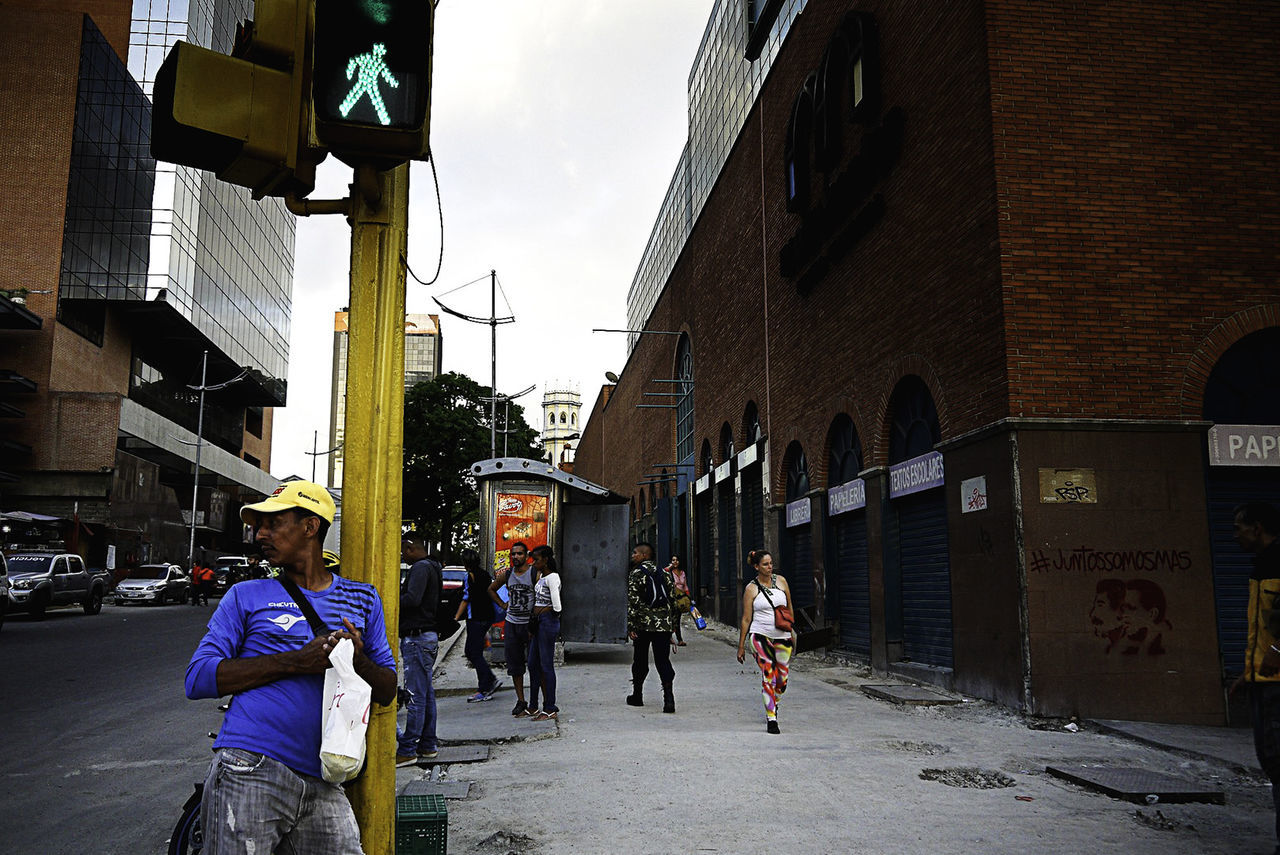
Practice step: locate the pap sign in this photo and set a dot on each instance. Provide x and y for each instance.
(1244, 445)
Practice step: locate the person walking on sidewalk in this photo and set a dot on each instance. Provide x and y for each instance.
(1257, 529)
(772, 646)
(519, 581)
(265, 792)
(544, 629)
(649, 622)
(419, 646)
(479, 612)
(683, 600)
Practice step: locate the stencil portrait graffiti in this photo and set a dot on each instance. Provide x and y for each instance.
(1131, 616)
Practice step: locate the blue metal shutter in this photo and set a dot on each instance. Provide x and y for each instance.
(728, 593)
(797, 565)
(703, 577)
(752, 516)
(1226, 487)
(853, 582)
(926, 578)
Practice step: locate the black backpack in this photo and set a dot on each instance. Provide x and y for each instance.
(656, 594)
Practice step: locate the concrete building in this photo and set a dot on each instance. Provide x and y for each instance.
(422, 355)
(561, 406)
(981, 317)
(134, 269)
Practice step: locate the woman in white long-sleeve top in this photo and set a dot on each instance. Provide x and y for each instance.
(544, 629)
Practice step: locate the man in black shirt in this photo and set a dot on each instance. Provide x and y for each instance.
(419, 644)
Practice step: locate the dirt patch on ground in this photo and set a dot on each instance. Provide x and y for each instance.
(969, 778)
(929, 748)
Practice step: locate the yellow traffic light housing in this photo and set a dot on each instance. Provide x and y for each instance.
(371, 79)
(242, 117)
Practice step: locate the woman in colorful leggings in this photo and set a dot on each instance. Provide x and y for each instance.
(772, 646)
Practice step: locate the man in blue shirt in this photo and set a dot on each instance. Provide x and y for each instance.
(264, 787)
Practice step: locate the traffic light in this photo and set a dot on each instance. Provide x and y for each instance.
(242, 117)
(371, 79)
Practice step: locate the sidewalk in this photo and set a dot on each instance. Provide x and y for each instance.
(848, 773)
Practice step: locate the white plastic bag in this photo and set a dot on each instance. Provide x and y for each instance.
(346, 716)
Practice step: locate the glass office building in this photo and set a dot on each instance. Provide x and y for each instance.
(723, 85)
(222, 261)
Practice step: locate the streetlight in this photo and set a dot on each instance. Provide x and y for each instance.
(195, 482)
(315, 439)
(506, 419)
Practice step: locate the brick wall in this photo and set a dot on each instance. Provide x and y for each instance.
(1139, 208)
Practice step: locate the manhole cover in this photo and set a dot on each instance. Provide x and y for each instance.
(914, 695)
(1137, 785)
(969, 778)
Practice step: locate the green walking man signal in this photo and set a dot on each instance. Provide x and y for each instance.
(371, 68)
(371, 79)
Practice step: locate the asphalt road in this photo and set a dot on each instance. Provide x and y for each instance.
(99, 747)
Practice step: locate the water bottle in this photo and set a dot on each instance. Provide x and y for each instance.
(698, 619)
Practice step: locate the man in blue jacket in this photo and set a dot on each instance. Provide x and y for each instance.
(264, 787)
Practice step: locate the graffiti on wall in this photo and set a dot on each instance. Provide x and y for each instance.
(1086, 559)
(1130, 616)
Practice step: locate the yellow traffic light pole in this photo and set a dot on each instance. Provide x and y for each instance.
(373, 466)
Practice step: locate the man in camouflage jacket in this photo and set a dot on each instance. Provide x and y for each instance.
(650, 625)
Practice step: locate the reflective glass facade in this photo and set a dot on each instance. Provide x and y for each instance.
(219, 258)
(723, 86)
(105, 242)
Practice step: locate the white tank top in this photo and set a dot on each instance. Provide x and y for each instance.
(762, 613)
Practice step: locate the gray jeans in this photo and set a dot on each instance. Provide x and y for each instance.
(253, 803)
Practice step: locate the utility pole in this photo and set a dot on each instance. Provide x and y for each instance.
(195, 481)
(374, 450)
(493, 363)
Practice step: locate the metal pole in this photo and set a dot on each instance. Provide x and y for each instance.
(506, 424)
(493, 383)
(374, 446)
(195, 482)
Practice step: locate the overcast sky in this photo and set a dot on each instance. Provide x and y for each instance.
(556, 127)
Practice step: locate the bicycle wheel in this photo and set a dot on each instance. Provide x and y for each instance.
(187, 837)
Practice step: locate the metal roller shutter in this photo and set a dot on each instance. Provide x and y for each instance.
(797, 565)
(752, 515)
(853, 582)
(926, 578)
(728, 591)
(704, 575)
(1227, 487)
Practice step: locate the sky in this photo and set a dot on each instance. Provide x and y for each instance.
(556, 127)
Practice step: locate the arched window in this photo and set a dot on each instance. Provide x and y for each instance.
(726, 442)
(708, 462)
(751, 423)
(1244, 386)
(562, 417)
(863, 67)
(844, 452)
(797, 472)
(684, 404)
(914, 430)
(573, 419)
(798, 149)
(830, 105)
(642, 505)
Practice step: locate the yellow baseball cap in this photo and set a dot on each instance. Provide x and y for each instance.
(306, 495)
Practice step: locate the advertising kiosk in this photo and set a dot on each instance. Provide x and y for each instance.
(535, 503)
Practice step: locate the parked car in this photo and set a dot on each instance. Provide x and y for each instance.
(4, 589)
(38, 580)
(154, 583)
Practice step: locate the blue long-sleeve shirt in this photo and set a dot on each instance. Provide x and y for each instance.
(259, 617)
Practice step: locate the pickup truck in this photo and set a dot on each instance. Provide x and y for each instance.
(38, 580)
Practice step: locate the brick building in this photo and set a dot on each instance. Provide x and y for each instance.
(979, 327)
(118, 276)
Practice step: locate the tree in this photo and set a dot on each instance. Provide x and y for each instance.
(446, 429)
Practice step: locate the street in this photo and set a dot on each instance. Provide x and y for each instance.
(100, 747)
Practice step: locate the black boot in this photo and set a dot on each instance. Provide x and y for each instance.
(668, 699)
(636, 698)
